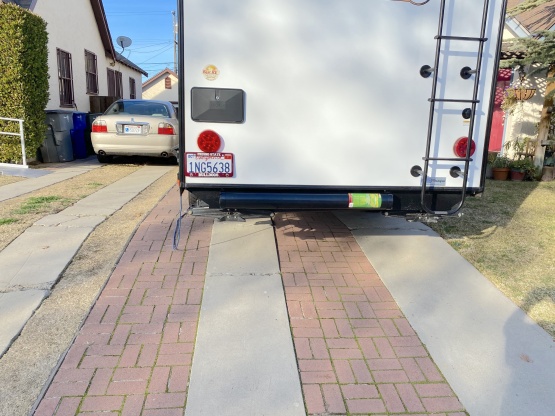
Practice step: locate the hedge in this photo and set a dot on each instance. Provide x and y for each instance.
(23, 80)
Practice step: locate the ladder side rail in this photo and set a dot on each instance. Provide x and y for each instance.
(432, 106)
(497, 54)
(479, 59)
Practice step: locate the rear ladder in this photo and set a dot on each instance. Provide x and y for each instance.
(465, 73)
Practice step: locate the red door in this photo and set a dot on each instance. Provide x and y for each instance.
(497, 122)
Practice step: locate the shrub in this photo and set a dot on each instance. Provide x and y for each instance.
(525, 165)
(501, 162)
(491, 157)
(23, 79)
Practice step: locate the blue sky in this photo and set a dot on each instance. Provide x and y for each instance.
(149, 24)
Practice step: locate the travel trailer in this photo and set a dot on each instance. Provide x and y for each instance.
(326, 104)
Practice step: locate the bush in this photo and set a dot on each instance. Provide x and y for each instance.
(491, 157)
(23, 79)
(525, 165)
(501, 162)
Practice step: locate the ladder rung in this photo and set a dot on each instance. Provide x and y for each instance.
(448, 100)
(454, 159)
(461, 38)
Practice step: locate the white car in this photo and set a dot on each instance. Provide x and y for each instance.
(135, 128)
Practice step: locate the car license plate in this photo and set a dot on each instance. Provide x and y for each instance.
(131, 129)
(211, 165)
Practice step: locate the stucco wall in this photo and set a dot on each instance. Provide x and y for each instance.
(525, 118)
(72, 27)
(126, 73)
(157, 90)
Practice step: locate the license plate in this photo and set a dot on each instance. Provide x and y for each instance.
(209, 165)
(131, 129)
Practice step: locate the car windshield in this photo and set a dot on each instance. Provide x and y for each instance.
(139, 108)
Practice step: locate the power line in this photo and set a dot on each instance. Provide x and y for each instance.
(134, 51)
(142, 40)
(139, 13)
(164, 50)
(158, 63)
(151, 51)
(149, 46)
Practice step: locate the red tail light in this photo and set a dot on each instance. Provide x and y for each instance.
(209, 141)
(99, 126)
(165, 128)
(460, 147)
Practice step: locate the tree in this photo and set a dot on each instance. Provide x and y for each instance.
(525, 6)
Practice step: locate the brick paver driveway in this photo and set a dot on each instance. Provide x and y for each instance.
(356, 352)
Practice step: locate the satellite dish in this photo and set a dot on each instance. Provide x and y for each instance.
(124, 42)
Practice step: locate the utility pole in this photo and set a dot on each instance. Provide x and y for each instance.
(175, 30)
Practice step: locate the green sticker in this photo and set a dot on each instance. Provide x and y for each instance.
(365, 200)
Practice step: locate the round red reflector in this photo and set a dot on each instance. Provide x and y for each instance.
(209, 141)
(460, 147)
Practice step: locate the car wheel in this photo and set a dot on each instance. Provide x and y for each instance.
(104, 158)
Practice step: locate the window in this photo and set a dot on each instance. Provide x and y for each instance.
(91, 73)
(168, 82)
(119, 85)
(65, 78)
(140, 107)
(132, 89)
(115, 84)
(111, 82)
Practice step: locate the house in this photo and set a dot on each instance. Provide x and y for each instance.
(82, 60)
(524, 120)
(162, 86)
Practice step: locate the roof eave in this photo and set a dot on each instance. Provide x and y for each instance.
(104, 30)
(153, 79)
(124, 61)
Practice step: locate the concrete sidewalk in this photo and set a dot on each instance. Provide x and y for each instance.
(48, 175)
(33, 262)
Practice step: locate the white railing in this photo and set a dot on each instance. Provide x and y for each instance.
(21, 137)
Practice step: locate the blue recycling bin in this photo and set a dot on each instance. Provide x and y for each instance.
(78, 135)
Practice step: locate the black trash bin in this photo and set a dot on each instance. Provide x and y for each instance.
(49, 148)
(57, 146)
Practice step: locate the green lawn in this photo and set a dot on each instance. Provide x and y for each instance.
(509, 235)
(37, 204)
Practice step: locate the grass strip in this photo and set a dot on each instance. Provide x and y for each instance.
(37, 204)
(508, 234)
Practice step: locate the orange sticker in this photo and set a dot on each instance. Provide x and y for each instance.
(211, 72)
